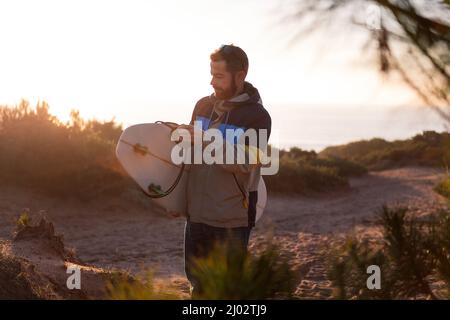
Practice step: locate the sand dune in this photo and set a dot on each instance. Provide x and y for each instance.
(109, 233)
(34, 265)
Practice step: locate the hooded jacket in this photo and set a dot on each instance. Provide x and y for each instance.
(225, 195)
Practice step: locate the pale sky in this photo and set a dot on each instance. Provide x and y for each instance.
(142, 61)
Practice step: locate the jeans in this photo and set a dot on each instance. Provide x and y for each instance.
(200, 239)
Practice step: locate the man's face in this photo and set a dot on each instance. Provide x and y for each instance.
(222, 81)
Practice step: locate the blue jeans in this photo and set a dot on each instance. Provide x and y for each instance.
(199, 240)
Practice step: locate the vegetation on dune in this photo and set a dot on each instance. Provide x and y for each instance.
(122, 286)
(77, 158)
(228, 273)
(413, 256)
(23, 221)
(304, 172)
(429, 148)
(443, 188)
(61, 159)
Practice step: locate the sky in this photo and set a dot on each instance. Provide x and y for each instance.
(143, 61)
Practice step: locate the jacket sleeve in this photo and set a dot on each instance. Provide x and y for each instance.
(194, 113)
(197, 107)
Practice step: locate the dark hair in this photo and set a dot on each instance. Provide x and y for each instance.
(235, 57)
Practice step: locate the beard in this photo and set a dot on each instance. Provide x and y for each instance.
(225, 94)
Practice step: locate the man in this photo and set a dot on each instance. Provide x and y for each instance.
(222, 197)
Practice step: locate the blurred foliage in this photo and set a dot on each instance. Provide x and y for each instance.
(122, 286)
(408, 37)
(304, 172)
(24, 220)
(228, 273)
(428, 149)
(443, 188)
(77, 158)
(62, 159)
(414, 258)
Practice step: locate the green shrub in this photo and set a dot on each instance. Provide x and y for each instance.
(231, 274)
(303, 172)
(72, 159)
(414, 257)
(122, 286)
(428, 148)
(24, 220)
(344, 168)
(443, 188)
(77, 158)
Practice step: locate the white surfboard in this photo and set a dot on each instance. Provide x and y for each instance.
(144, 151)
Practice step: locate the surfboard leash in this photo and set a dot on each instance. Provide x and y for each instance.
(172, 125)
(244, 195)
(158, 193)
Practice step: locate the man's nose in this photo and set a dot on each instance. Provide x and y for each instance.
(212, 82)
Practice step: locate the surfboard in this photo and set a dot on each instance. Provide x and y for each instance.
(144, 151)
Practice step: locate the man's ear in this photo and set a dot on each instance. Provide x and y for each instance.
(240, 76)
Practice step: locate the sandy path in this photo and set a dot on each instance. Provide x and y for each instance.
(304, 226)
(107, 234)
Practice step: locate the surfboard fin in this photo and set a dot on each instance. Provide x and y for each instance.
(153, 188)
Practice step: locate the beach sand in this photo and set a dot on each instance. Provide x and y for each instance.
(111, 233)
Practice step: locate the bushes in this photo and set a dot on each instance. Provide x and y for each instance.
(223, 276)
(429, 148)
(443, 188)
(122, 286)
(414, 257)
(77, 158)
(304, 178)
(304, 172)
(344, 168)
(72, 159)
(232, 274)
